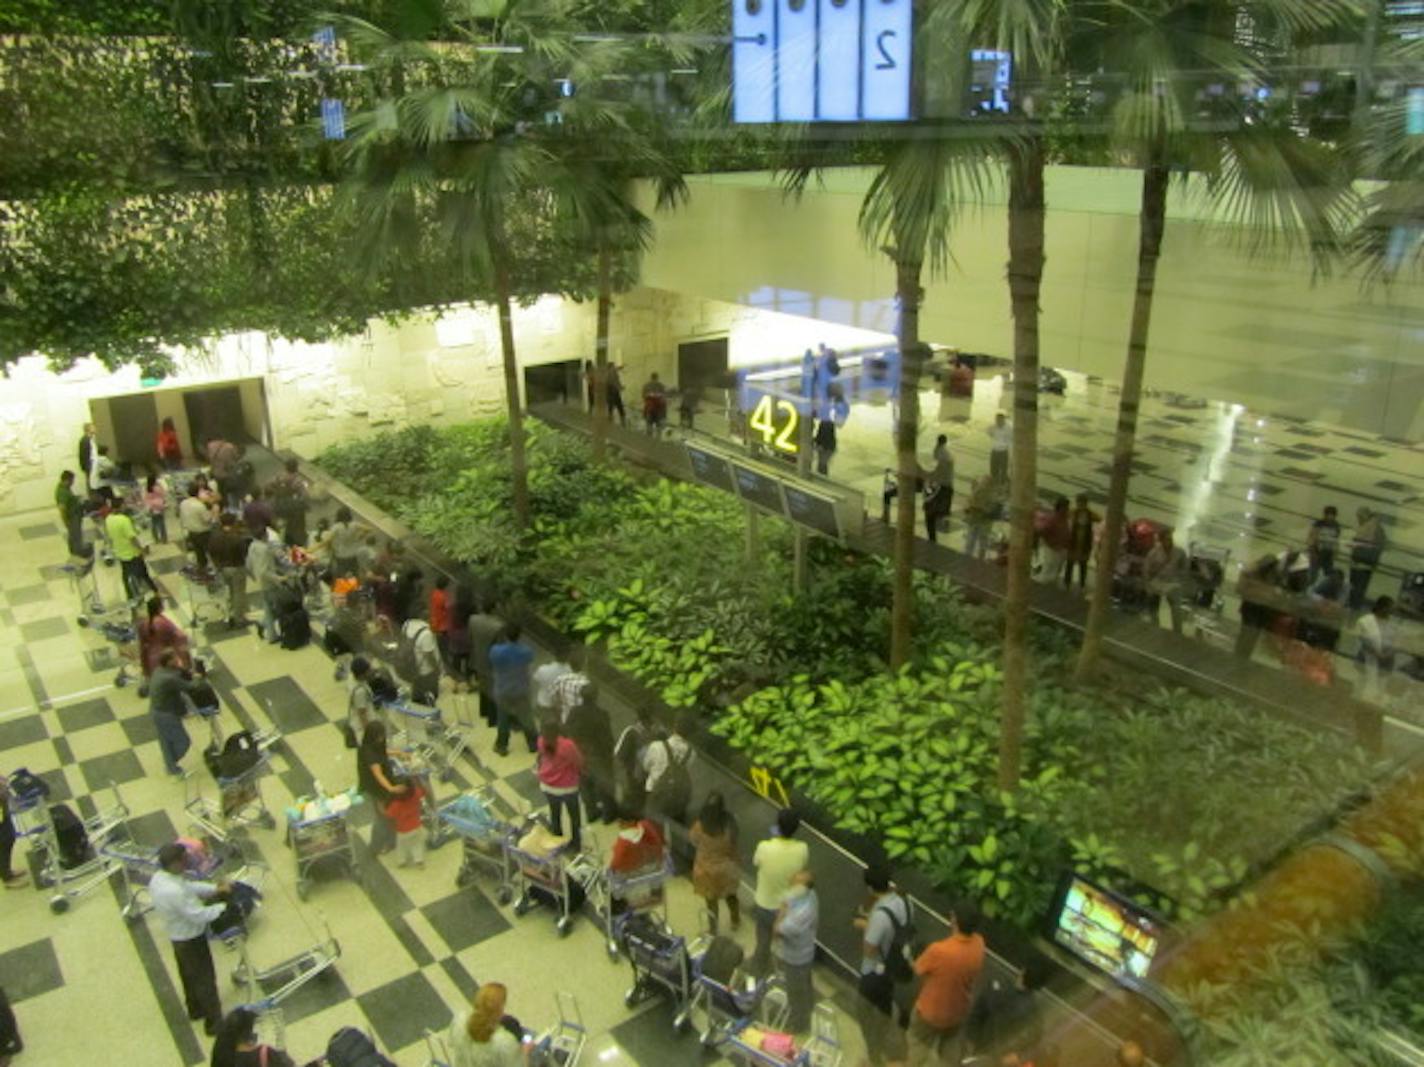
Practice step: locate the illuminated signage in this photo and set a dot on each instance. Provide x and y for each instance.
(821, 60)
(776, 421)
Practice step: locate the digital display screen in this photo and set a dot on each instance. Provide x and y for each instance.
(1105, 930)
(821, 60)
(711, 469)
(757, 488)
(810, 510)
(990, 74)
(1414, 113)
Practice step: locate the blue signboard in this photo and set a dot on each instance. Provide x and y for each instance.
(1414, 116)
(821, 60)
(333, 120)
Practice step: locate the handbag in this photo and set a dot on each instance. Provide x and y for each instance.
(349, 735)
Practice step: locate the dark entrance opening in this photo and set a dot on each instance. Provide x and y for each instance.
(553, 382)
(135, 425)
(702, 365)
(213, 413)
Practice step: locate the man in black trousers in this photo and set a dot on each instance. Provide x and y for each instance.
(186, 908)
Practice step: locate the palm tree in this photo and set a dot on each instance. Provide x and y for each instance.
(463, 143)
(1262, 173)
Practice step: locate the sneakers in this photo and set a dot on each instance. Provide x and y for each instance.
(501, 750)
(17, 880)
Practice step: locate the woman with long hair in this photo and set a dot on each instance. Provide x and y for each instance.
(715, 870)
(484, 1037)
(157, 632)
(374, 777)
(236, 1044)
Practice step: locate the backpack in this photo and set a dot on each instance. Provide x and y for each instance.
(70, 837)
(294, 626)
(383, 689)
(900, 960)
(406, 661)
(350, 1047)
(239, 754)
(672, 792)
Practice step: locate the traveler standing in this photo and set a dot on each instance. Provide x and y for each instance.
(1376, 651)
(589, 727)
(290, 497)
(545, 677)
(825, 444)
(1257, 587)
(185, 908)
(559, 768)
(360, 701)
(170, 452)
(227, 548)
(438, 611)
(613, 390)
(376, 778)
(1165, 569)
(343, 542)
(794, 938)
(262, 566)
(88, 454)
(425, 659)
(237, 1044)
(155, 502)
(665, 762)
(167, 707)
(156, 634)
(949, 972)
(123, 539)
(715, 870)
(258, 516)
(1081, 524)
(979, 518)
(776, 859)
(886, 913)
(1056, 538)
(510, 663)
(1366, 547)
(569, 687)
(12, 878)
(628, 753)
(485, 629)
(1001, 439)
(1323, 541)
(223, 458)
(939, 488)
(483, 1038)
(654, 405)
(195, 520)
(71, 514)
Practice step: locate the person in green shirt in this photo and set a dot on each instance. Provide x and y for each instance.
(71, 513)
(124, 540)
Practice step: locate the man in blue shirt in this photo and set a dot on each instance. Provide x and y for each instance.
(510, 664)
(795, 946)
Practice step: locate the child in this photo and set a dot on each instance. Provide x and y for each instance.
(403, 810)
(440, 615)
(155, 502)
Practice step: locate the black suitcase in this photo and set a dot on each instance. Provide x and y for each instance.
(349, 1047)
(294, 627)
(238, 755)
(71, 837)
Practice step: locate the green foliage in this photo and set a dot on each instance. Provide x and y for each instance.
(1161, 793)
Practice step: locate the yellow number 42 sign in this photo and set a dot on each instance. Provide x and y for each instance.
(776, 421)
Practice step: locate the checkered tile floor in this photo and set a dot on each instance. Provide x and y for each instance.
(413, 946)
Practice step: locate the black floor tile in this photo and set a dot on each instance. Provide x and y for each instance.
(31, 970)
(168, 565)
(43, 629)
(58, 783)
(287, 704)
(1294, 453)
(1392, 486)
(25, 730)
(152, 830)
(113, 769)
(83, 715)
(1297, 472)
(27, 594)
(1356, 450)
(139, 729)
(63, 751)
(34, 533)
(648, 1038)
(457, 973)
(1264, 489)
(326, 990)
(401, 1011)
(465, 918)
(217, 632)
(7, 617)
(526, 783)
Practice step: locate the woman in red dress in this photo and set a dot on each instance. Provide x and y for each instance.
(170, 452)
(157, 632)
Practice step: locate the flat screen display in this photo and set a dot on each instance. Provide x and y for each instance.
(1103, 929)
(711, 469)
(811, 510)
(757, 488)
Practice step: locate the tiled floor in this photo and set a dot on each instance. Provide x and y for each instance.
(413, 946)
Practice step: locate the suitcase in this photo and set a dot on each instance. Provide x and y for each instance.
(294, 627)
(71, 837)
(238, 755)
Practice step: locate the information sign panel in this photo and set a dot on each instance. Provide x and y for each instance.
(759, 489)
(811, 510)
(711, 469)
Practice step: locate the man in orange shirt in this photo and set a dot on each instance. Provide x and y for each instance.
(949, 972)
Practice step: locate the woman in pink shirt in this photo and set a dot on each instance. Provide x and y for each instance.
(560, 767)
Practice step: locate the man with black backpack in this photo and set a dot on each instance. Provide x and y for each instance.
(885, 960)
(669, 783)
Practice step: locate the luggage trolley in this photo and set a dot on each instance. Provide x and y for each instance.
(661, 963)
(272, 985)
(616, 897)
(484, 836)
(318, 832)
(726, 1006)
(138, 865)
(84, 579)
(73, 881)
(239, 803)
(551, 877)
(421, 728)
(562, 1044)
(205, 594)
(743, 1044)
(437, 832)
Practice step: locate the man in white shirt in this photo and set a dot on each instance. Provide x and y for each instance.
(425, 686)
(1376, 652)
(196, 519)
(778, 860)
(1001, 439)
(665, 763)
(545, 678)
(184, 908)
(262, 565)
(569, 687)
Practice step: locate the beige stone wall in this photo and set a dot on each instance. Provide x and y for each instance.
(421, 371)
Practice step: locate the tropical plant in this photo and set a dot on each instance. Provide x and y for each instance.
(1267, 176)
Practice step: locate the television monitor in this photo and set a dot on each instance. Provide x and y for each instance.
(758, 488)
(1105, 930)
(811, 510)
(711, 469)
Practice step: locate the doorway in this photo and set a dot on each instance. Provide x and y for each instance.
(702, 365)
(134, 423)
(213, 413)
(550, 382)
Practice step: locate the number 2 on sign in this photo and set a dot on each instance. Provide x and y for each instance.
(764, 419)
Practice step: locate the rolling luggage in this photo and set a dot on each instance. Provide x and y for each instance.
(349, 1047)
(294, 626)
(238, 755)
(70, 837)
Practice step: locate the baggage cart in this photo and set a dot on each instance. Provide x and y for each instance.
(484, 835)
(723, 1007)
(662, 964)
(72, 882)
(239, 804)
(822, 1049)
(548, 878)
(421, 729)
(84, 580)
(615, 897)
(205, 593)
(272, 985)
(138, 864)
(324, 838)
(414, 767)
(562, 1044)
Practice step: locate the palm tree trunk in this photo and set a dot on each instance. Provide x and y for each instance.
(600, 352)
(907, 461)
(518, 464)
(1026, 259)
(1153, 217)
